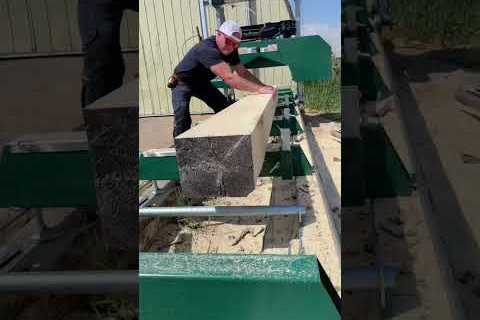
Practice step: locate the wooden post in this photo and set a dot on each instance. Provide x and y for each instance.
(224, 154)
(112, 130)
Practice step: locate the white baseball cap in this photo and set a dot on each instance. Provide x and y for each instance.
(232, 30)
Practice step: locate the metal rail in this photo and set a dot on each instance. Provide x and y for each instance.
(239, 211)
(70, 282)
(367, 278)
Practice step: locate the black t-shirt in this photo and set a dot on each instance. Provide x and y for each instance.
(195, 66)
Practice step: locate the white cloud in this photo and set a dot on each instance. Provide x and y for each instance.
(330, 33)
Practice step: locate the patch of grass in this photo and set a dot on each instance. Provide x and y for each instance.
(323, 96)
(440, 22)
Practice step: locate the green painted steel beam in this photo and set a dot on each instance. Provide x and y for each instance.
(286, 163)
(371, 168)
(158, 168)
(272, 165)
(309, 57)
(368, 79)
(365, 43)
(279, 110)
(292, 124)
(165, 168)
(234, 287)
(285, 91)
(387, 176)
(353, 173)
(46, 179)
(220, 84)
(363, 18)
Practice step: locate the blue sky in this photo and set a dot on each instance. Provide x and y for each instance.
(327, 11)
(322, 17)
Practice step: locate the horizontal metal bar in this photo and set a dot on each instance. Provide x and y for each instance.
(70, 282)
(366, 278)
(50, 142)
(165, 152)
(245, 211)
(35, 55)
(170, 115)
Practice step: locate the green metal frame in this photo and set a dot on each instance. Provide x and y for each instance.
(234, 287)
(291, 124)
(293, 110)
(285, 92)
(308, 57)
(286, 164)
(158, 168)
(46, 179)
(166, 168)
(368, 79)
(365, 42)
(362, 17)
(371, 168)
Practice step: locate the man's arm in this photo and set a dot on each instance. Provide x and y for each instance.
(234, 80)
(244, 73)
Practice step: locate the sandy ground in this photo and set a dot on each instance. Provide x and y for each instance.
(434, 77)
(455, 131)
(419, 292)
(320, 194)
(401, 223)
(406, 241)
(43, 94)
(156, 132)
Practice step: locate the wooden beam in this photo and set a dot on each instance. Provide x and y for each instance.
(224, 154)
(112, 130)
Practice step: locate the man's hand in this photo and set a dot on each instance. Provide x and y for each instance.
(267, 89)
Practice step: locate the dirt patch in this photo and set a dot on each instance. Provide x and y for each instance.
(248, 235)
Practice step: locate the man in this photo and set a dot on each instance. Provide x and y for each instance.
(214, 56)
(103, 68)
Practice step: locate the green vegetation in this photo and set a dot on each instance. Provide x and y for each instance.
(324, 96)
(442, 22)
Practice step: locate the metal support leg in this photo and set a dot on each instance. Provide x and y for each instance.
(301, 94)
(43, 232)
(40, 224)
(285, 136)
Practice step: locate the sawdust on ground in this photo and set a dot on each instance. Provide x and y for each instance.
(420, 292)
(246, 235)
(454, 129)
(318, 236)
(405, 242)
(258, 235)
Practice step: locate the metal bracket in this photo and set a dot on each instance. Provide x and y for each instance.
(50, 142)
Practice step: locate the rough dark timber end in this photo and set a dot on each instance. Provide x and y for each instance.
(113, 143)
(207, 173)
(224, 154)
